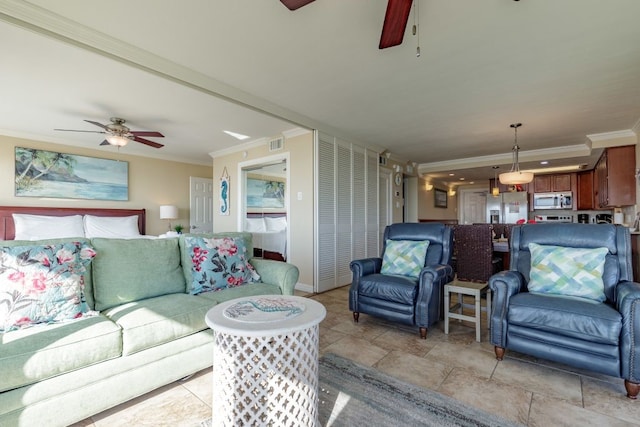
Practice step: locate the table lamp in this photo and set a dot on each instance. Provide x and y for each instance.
(168, 212)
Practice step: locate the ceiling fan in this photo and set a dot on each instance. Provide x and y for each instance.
(395, 19)
(120, 135)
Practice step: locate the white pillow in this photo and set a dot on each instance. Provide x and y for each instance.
(122, 227)
(276, 224)
(39, 227)
(255, 225)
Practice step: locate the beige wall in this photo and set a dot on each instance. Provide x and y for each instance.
(152, 182)
(426, 204)
(300, 221)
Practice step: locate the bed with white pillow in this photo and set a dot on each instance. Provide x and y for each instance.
(269, 233)
(38, 223)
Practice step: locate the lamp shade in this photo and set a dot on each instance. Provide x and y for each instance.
(117, 140)
(517, 177)
(168, 212)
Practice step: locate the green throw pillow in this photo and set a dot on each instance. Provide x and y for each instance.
(573, 272)
(404, 257)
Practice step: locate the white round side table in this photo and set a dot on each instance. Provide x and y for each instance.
(265, 361)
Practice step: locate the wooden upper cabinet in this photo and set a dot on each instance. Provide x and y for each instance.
(550, 183)
(584, 197)
(614, 177)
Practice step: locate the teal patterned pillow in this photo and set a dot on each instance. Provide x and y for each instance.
(573, 272)
(43, 284)
(404, 257)
(218, 263)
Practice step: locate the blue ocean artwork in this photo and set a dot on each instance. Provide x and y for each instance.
(40, 173)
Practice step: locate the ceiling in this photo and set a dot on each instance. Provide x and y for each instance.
(565, 69)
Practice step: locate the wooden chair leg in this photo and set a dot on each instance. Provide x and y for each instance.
(423, 333)
(632, 389)
(356, 315)
(499, 352)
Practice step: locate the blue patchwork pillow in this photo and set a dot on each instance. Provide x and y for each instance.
(43, 284)
(218, 263)
(572, 272)
(404, 257)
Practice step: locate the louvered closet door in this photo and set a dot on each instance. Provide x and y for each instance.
(325, 276)
(344, 195)
(347, 219)
(373, 225)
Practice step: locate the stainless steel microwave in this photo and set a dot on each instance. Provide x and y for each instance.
(561, 200)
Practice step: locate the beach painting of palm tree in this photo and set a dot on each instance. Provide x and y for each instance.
(41, 173)
(263, 193)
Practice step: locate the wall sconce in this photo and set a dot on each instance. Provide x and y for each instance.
(452, 192)
(168, 212)
(495, 191)
(428, 186)
(398, 168)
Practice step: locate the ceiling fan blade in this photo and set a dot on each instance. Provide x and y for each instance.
(97, 124)
(76, 130)
(295, 4)
(105, 142)
(395, 22)
(146, 133)
(147, 142)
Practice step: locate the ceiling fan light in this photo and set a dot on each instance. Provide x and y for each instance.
(517, 177)
(117, 140)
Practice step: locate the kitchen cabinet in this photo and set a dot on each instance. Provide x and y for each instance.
(614, 177)
(584, 197)
(550, 183)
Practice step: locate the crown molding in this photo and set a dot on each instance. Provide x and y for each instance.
(292, 133)
(566, 151)
(615, 138)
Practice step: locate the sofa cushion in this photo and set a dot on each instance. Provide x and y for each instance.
(218, 263)
(128, 270)
(42, 283)
(404, 257)
(574, 272)
(33, 354)
(241, 291)
(400, 289)
(570, 317)
(154, 321)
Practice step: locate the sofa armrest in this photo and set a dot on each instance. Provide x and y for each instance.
(278, 273)
(504, 285)
(628, 304)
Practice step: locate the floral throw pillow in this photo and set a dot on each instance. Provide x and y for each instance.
(43, 284)
(404, 257)
(219, 263)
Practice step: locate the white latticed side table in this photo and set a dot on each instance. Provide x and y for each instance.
(265, 361)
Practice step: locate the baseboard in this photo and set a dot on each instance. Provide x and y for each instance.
(304, 287)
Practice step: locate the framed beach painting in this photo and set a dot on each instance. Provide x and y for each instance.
(40, 173)
(262, 193)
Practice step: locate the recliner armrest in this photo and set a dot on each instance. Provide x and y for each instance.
(366, 266)
(628, 304)
(504, 285)
(440, 273)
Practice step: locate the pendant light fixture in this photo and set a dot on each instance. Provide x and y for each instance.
(495, 191)
(515, 176)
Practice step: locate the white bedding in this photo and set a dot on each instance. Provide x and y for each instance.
(273, 241)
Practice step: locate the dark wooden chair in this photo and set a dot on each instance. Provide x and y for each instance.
(473, 249)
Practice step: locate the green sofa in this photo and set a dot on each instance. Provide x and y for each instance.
(149, 332)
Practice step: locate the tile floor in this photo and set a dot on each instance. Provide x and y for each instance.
(522, 389)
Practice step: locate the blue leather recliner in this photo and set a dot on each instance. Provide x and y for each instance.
(412, 301)
(601, 337)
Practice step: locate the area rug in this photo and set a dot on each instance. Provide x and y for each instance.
(356, 395)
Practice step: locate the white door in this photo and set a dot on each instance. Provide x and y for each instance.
(474, 207)
(200, 205)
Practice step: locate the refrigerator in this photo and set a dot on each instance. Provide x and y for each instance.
(507, 208)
